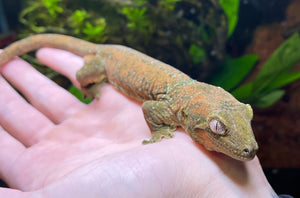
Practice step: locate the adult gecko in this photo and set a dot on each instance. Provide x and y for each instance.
(209, 114)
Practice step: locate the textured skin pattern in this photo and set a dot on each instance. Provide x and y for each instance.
(170, 98)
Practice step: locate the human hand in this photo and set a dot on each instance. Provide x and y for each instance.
(58, 147)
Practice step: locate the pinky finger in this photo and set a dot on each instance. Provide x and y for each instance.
(10, 150)
(12, 193)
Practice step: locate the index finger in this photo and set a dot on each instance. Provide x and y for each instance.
(61, 61)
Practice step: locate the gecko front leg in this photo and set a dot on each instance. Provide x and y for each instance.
(92, 75)
(160, 120)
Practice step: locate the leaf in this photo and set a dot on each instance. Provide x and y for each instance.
(78, 16)
(137, 18)
(283, 79)
(197, 53)
(134, 14)
(94, 32)
(263, 91)
(52, 7)
(269, 99)
(76, 92)
(243, 92)
(284, 57)
(231, 9)
(233, 71)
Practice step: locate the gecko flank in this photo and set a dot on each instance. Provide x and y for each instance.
(209, 114)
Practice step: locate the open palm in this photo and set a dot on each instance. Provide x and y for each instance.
(55, 146)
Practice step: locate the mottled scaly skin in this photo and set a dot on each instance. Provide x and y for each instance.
(170, 98)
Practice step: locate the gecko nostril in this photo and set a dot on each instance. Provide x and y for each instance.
(246, 151)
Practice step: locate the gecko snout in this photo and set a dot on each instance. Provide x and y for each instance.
(250, 150)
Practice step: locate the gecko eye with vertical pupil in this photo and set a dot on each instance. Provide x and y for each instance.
(217, 126)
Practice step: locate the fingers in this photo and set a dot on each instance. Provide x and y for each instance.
(61, 61)
(10, 150)
(17, 116)
(12, 193)
(50, 99)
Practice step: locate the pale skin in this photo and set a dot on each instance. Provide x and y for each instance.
(58, 147)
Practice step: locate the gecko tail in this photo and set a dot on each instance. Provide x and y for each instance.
(68, 43)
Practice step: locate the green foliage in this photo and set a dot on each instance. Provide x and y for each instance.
(159, 28)
(76, 92)
(280, 62)
(140, 2)
(94, 32)
(53, 7)
(231, 9)
(268, 99)
(284, 79)
(265, 90)
(168, 4)
(79, 23)
(137, 18)
(47, 9)
(233, 71)
(197, 53)
(79, 16)
(205, 34)
(243, 92)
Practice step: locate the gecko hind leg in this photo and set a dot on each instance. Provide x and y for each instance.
(92, 75)
(159, 119)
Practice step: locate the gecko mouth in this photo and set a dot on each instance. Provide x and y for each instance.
(244, 155)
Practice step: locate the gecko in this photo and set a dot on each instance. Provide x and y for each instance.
(210, 115)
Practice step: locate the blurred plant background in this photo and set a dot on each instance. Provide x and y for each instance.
(188, 34)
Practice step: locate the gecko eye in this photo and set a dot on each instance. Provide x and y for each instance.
(217, 126)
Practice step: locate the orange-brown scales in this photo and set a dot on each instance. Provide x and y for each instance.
(209, 114)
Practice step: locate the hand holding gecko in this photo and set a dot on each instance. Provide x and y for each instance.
(59, 147)
(209, 114)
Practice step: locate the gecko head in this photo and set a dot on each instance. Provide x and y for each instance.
(227, 129)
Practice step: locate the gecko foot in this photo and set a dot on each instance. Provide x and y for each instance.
(158, 135)
(93, 90)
